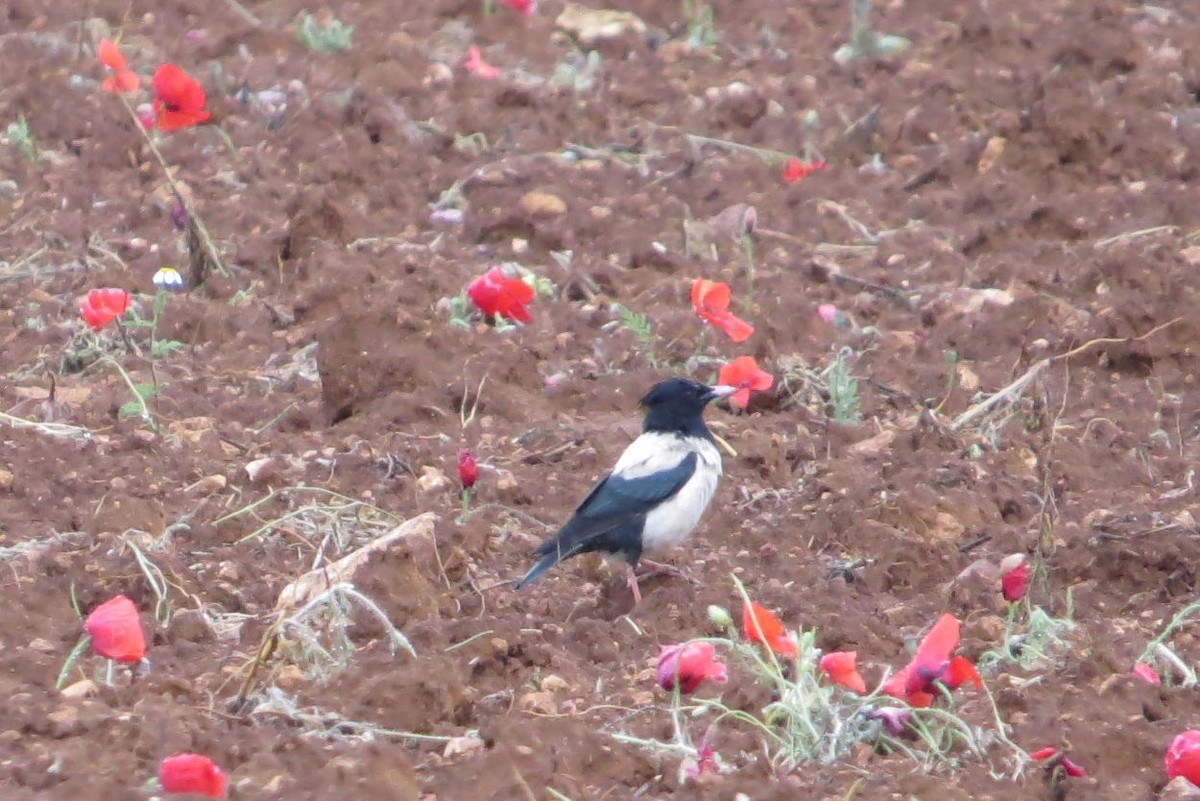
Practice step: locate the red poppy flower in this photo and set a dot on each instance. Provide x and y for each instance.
(477, 66)
(102, 306)
(116, 631)
(1014, 577)
(710, 299)
(1183, 757)
(689, 665)
(840, 667)
(1053, 756)
(178, 99)
(495, 294)
(761, 625)
(744, 374)
(1147, 674)
(122, 78)
(468, 470)
(192, 773)
(796, 170)
(524, 7)
(933, 665)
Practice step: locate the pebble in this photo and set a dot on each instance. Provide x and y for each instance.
(542, 204)
(84, 688)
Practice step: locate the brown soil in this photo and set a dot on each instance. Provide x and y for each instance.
(1045, 149)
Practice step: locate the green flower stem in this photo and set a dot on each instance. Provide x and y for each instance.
(147, 415)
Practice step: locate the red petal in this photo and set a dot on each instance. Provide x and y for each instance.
(710, 299)
(897, 683)
(1147, 674)
(180, 92)
(756, 618)
(525, 7)
(176, 120)
(111, 299)
(1183, 757)
(116, 631)
(1043, 753)
(761, 381)
(192, 773)
(1073, 768)
(737, 329)
(110, 55)
(840, 667)
(689, 665)
(1015, 583)
(935, 649)
(959, 672)
(793, 171)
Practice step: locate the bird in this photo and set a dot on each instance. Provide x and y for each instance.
(656, 493)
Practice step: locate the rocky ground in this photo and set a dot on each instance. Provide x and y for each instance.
(1014, 196)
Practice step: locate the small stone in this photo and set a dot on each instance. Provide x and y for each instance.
(289, 678)
(42, 646)
(438, 75)
(64, 721)
(542, 204)
(144, 437)
(1179, 789)
(505, 481)
(992, 152)
(6, 479)
(207, 485)
(591, 26)
(553, 683)
(499, 646)
(261, 469)
(432, 479)
(84, 688)
(463, 746)
(189, 625)
(542, 703)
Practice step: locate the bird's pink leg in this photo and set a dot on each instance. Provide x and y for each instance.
(633, 584)
(661, 569)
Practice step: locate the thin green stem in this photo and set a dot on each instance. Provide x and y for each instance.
(147, 415)
(748, 254)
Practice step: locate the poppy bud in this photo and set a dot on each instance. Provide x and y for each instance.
(116, 631)
(468, 470)
(719, 616)
(1183, 757)
(1014, 577)
(192, 773)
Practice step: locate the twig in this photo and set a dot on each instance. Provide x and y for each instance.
(1115, 340)
(1128, 235)
(1011, 391)
(1014, 389)
(52, 429)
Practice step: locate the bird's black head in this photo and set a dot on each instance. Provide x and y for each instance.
(676, 405)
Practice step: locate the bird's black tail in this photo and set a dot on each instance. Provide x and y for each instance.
(545, 563)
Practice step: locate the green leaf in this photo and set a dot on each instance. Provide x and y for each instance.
(163, 347)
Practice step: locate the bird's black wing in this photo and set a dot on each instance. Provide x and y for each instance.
(617, 496)
(614, 502)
